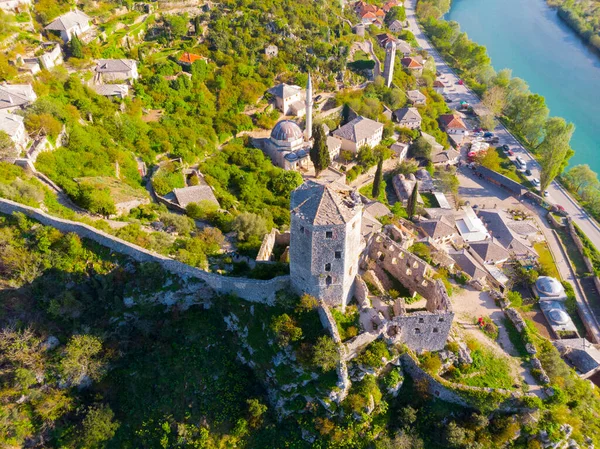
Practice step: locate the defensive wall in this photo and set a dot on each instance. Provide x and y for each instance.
(249, 289)
(272, 239)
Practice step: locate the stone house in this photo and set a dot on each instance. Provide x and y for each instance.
(444, 156)
(195, 194)
(187, 59)
(359, 132)
(403, 48)
(119, 91)
(439, 86)
(395, 26)
(73, 23)
(489, 252)
(439, 230)
(108, 70)
(16, 96)
(453, 124)
(289, 99)
(14, 126)
(408, 117)
(412, 65)
(14, 5)
(416, 97)
(401, 150)
(325, 241)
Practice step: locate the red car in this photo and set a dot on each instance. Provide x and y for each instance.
(510, 153)
(461, 82)
(559, 207)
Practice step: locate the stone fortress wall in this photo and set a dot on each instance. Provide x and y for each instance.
(249, 289)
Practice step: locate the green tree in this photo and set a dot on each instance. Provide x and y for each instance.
(7, 71)
(285, 329)
(378, 179)
(554, 149)
(581, 176)
(82, 359)
(98, 427)
(248, 225)
(319, 153)
(96, 200)
(7, 146)
(529, 113)
(204, 210)
(256, 410)
(412, 202)
(177, 25)
(76, 47)
(285, 181)
(421, 148)
(325, 353)
(395, 13)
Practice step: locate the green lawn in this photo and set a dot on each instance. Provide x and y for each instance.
(367, 191)
(574, 255)
(487, 370)
(429, 200)
(546, 260)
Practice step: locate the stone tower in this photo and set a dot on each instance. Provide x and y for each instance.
(390, 59)
(325, 241)
(308, 106)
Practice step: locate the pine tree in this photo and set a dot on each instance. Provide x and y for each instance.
(319, 153)
(345, 114)
(76, 47)
(378, 179)
(412, 202)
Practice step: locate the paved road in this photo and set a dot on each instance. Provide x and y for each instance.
(456, 92)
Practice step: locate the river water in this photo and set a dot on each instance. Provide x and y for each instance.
(527, 37)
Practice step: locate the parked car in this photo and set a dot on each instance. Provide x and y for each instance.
(447, 99)
(437, 73)
(535, 182)
(559, 207)
(528, 172)
(318, 98)
(546, 193)
(510, 153)
(478, 134)
(488, 134)
(505, 148)
(461, 82)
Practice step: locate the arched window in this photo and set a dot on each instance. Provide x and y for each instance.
(328, 280)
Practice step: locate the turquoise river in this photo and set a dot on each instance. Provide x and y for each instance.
(527, 37)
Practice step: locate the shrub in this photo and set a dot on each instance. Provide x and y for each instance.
(373, 356)
(285, 329)
(431, 363)
(325, 353)
(249, 226)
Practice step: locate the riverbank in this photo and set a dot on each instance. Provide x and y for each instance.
(577, 17)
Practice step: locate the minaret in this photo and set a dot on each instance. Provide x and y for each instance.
(308, 106)
(390, 59)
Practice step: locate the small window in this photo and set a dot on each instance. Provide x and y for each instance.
(302, 229)
(417, 330)
(441, 319)
(327, 267)
(421, 320)
(329, 234)
(338, 254)
(435, 330)
(382, 257)
(328, 280)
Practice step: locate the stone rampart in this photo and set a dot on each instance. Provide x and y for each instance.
(272, 239)
(249, 289)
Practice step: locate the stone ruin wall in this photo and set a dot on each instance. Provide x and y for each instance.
(272, 239)
(249, 289)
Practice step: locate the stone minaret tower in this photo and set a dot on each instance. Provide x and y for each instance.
(308, 106)
(325, 241)
(390, 59)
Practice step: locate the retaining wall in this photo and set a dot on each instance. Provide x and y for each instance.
(249, 289)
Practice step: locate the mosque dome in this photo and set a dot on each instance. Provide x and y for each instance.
(548, 286)
(291, 157)
(286, 131)
(559, 316)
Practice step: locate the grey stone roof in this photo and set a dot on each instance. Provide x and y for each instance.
(110, 90)
(503, 234)
(415, 95)
(15, 95)
(580, 352)
(10, 123)
(443, 156)
(407, 115)
(489, 251)
(68, 21)
(437, 228)
(377, 209)
(403, 46)
(435, 146)
(329, 204)
(286, 130)
(469, 265)
(358, 129)
(115, 65)
(194, 194)
(285, 90)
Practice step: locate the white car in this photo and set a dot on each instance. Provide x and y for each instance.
(546, 193)
(535, 182)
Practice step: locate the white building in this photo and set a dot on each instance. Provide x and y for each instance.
(453, 124)
(470, 227)
(289, 99)
(72, 23)
(286, 146)
(359, 132)
(14, 5)
(14, 126)
(16, 96)
(111, 90)
(408, 117)
(116, 70)
(52, 57)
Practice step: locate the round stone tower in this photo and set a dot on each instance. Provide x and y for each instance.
(325, 241)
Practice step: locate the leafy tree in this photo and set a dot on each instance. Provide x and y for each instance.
(319, 153)
(43, 124)
(285, 181)
(183, 225)
(82, 359)
(454, 435)
(395, 13)
(256, 410)
(248, 225)
(96, 200)
(421, 148)
(204, 210)
(325, 353)
(76, 47)
(582, 176)
(177, 25)
(7, 146)
(285, 329)
(494, 99)
(412, 201)
(7, 70)
(554, 149)
(378, 179)
(528, 113)
(98, 427)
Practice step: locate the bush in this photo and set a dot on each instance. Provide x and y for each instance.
(431, 363)
(374, 355)
(249, 226)
(285, 329)
(325, 354)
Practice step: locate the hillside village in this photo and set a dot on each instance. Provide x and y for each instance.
(301, 187)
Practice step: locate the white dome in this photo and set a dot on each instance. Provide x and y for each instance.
(559, 316)
(549, 286)
(286, 131)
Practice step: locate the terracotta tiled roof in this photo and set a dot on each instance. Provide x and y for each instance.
(411, 63)
(190, 58)
(451, 121)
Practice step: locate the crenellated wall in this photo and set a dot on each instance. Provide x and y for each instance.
(249, 289)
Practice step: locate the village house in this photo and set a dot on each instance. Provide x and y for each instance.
(508, 233)
(195, 194)
(289, 99)
(470, 226)
(108, 70)
(439, 86)
(359, 132)
(400, 149)
(470, 266)
(389, 5)
(444, 156)
(412, 65)
(73, 23)
(14, 5)
(439, 230)
(111, 90)
(416, 97)
(489, 252)
(384, 38)
(187, 59)
(13, 125)
(453, 124)
(395, 26)
(16, 96)
(403, 48)
(408, 118)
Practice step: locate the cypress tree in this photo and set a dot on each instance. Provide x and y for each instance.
(345, 114)
(319, 154)
(378, 179)
(412, 202)
(76, 47)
